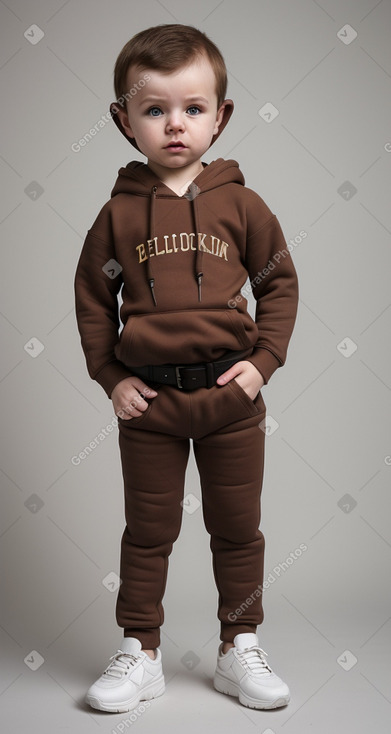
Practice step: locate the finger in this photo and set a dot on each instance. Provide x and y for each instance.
(124, 416)
(149, 391)
(132, 407)
(229, 374)
(142, 387)
(136, 405)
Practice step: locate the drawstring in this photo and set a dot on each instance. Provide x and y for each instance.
(151, 279)
(199, 253)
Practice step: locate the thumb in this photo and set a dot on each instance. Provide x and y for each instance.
(229, 374)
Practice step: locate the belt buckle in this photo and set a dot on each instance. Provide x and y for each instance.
(178, 378)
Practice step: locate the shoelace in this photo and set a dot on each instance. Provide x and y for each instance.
(253, 658)
(119, 663)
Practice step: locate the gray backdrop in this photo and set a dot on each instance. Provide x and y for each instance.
(311, 84)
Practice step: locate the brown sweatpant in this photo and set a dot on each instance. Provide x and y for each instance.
(228, 445)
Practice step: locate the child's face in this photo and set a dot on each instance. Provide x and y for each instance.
(179, 107)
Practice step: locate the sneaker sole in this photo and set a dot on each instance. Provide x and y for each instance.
(223, 685)
(154, 690)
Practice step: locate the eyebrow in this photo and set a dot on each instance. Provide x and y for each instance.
(156, 98)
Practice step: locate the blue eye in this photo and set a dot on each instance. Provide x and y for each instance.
(192, 108)
(154, 111)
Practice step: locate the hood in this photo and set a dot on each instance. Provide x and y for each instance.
(138, 179)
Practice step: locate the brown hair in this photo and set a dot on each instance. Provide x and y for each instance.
(167, 48)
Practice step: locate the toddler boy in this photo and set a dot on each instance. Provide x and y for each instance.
(180, 238)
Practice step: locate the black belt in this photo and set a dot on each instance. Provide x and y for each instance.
(187, 376)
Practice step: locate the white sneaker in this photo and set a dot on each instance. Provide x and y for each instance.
(131, 676)
(243, 672)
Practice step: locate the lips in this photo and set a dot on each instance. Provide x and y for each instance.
(175, 144)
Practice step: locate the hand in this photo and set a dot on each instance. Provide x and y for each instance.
(250, 380)
(127, 401)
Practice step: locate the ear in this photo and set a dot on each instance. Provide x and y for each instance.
(120, 117)
(223, 114)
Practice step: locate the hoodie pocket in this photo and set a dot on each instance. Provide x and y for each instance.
(255, 406)
(138, 418)
(184, 337)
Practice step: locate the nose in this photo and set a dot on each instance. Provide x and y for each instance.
(175, 122)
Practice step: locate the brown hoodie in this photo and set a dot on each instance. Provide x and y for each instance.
(181, 263)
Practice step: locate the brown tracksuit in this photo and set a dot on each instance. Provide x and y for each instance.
(181, 263)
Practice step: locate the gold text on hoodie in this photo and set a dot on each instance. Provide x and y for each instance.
(185, 241)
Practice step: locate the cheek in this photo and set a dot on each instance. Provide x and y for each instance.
(151, 127)
(144, 131)
(210, 123)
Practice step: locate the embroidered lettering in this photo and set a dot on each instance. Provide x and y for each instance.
(207, 243)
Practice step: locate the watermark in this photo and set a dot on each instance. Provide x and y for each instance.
(268, 112)
(124, 724)
(272, 577)
(102, 122)
(347, 34)
(104, 432)
(261, 275)
(79, 144)
(347, 347)
(347, 660)
(189, 190)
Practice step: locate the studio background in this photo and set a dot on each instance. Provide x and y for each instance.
(311, 86)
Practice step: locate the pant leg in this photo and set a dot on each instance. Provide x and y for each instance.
(230, 464)
(153, 468)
